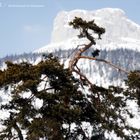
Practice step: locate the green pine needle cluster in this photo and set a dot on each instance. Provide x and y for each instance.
(65, 105)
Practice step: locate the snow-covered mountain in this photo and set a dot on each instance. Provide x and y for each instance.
(121, 32)
(120, 44)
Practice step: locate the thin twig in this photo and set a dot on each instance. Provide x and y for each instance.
(75, 49)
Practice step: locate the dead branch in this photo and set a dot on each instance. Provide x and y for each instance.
(113, 65)
(76, 49)
(105, 61)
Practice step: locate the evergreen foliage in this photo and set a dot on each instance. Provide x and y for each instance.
(84, 26)
(133, 83)
(65, 106)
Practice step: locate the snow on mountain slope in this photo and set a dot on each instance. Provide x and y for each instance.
(120, 44)
(122, 37)
(121, 32)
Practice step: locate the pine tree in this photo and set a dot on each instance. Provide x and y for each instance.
(68, 102)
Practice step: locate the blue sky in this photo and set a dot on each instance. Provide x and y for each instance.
(26, 25)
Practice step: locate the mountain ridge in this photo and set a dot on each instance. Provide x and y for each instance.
(121, 32)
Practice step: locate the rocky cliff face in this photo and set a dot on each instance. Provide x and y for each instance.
(117, 25)
(120, 45)
(121, 32)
